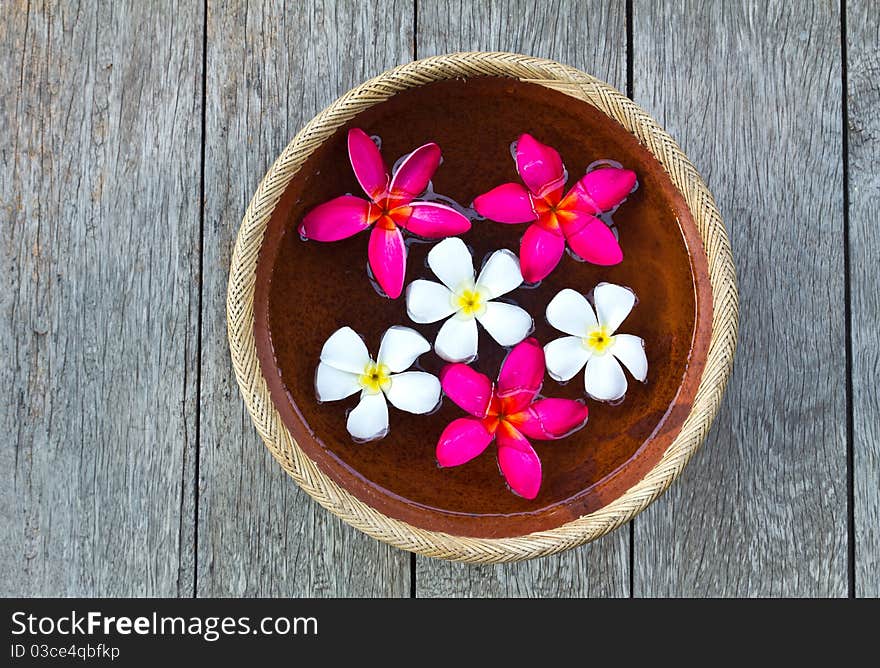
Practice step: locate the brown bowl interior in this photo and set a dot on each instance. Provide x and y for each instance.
(306, 290)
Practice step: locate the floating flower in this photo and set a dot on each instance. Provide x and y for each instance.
(467, 300)
(508, 414)
(391, 206)
(593, 341)
(346, 367)
(557, 219)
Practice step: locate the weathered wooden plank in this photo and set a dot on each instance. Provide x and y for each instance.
(100, 131)
(270, 67)
(591, 37)
(753, 94)
(863, 76)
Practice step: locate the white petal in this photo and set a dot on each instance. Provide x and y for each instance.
(613, 304)
(570, 312)
(457, 340)
(414, 392)
(604, 379)
(451, 262)
(346, 351)
(630, 350)
(369, 419)
(400, 347)
(565, 357)
(506, 323)
(332, 384)
(427, 301)
(500, 274)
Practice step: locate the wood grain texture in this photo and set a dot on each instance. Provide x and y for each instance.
(863, 75)
(592, 37)
(100, 140)
(100, 128)
(270, 68)
(753, 94)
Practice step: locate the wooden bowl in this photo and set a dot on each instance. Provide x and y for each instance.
(287, 296)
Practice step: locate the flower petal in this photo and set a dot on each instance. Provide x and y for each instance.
(412, 177)
(431, 220)
(414, 392)
(601, 190)
(613, 304)
(369, 419)
(469, 389)
(400, 347)
(539, 166)
(604, 379)
(630, 350)
(500, 274)
(591, 239)
(332, 384)
(387, 254)
(521, 375)
(427, 301)
(506, 323)
(565, 357)
(519, 463)
(451, 262)
(345, 351)
(508, 203)
(539, 252)
(570, 312)
(367, 163)
(457, 340)
(550, 419)
(337, 219)
(461, 441)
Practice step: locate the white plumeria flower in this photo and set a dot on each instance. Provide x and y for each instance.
(593, 341)
(346, 367)
(468, 300)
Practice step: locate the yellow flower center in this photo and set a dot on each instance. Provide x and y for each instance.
(375, 378)
(469, 302)
(598, 340)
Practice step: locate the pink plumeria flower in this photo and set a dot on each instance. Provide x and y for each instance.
(392, 206)
(507, 413)
(593, 342)
(556, 218)
(346, 367)
(468, 300)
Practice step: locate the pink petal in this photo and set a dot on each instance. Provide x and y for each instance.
(337, 219)
(411, 178)
(601, 190)
(590, 238)
(549, 419)
(387, 254)
(469, 389)
(367, 163)
(539, 252)
(521, 376)
(540, 167)
(431, 220)
(508, 203)
(518, 462)
(461, 441)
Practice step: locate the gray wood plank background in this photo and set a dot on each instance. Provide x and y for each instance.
(101, 110)
(753, 94)
(270, 68)
(863, 97)
(132, 136)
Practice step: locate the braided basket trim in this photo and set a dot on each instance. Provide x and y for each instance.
(240, 309)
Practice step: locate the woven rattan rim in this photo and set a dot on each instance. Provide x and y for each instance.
(240, 309)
